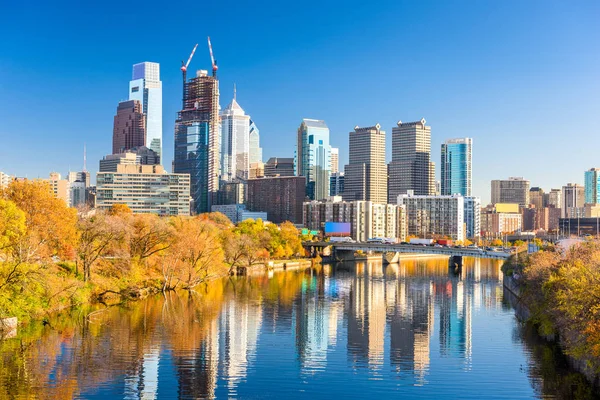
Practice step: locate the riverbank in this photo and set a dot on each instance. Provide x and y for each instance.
(557, 293)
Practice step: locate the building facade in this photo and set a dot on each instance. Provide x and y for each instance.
(280, 197)
(511, 190)
(434, 216)
(279, 166)
(553, 198)
(536, 197)
(313, 157)
(367, 219)
(79, 183)
(573, 200)
(365, 176)
(411, 167)
(144, 189)
(197, 139)
(500, 219)
(472, 217)
(336, 184)
(5, 180)
(335, 160)
(129, 129)
(61, 188)
(254, 141)
(235, 142)
(238, 212)
(592, 186)
(456, 167)
(146, 87)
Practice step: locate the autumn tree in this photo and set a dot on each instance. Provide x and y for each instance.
(150, 234)
(196, 255)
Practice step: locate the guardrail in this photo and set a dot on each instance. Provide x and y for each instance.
(415, 249)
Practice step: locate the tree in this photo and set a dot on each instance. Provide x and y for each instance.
(196, 254)
(12, 224)
(119, 210)
(98, 236)
(497, 242)
(150, 234)
(50, 224)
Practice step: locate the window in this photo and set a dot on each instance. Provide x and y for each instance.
(135, 89)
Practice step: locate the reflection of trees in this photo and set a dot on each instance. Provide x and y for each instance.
(549, 372)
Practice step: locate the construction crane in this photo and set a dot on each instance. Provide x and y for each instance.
(212, 59)
(185, 66)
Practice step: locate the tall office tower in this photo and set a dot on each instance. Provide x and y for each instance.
(536, 197)
(255, 149)
(335, 160)
(313, 157)
(336, 184)
(235, 142)
(129, 129)
(573, 200)
(456, 170)
(411, 167)
(197, 139)
(511, 190)
(79, 183)
(592, 186)
(278, 166)
(365, 176)
(553, 198)
(146, 87)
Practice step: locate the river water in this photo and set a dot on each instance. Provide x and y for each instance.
(360, 330)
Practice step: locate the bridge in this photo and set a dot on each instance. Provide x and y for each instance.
(391, 252)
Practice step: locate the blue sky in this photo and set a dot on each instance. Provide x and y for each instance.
(520, 78)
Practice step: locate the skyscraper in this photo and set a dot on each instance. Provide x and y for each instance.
(536, 197)
(592, 186)
(365, 175)
(573, 200)
(129, 129)
(456, 170)
(313, 157)
(512, 190)
(278, 166)
(255, 149)
(197, 142)
(146, 87)
(335, 157)
(411, 167)
(235, 142)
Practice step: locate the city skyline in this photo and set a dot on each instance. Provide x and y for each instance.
(499, 80)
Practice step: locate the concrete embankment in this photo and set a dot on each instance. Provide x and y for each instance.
(275, 265)
(513, 291)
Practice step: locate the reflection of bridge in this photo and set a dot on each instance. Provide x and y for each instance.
(391, 252)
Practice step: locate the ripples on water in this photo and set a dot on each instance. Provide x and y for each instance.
(412, 330)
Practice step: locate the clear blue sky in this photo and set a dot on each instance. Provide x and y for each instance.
(520, 77)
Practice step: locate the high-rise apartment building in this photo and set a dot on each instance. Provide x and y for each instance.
(146, 87)
(335, 160)
(365, 176)
(500, 219)
(235, 142)
(592, 186)
(129, 129)
(573, 200)
(511, 190)
(255, 149)
(553, 198)
(144, 189)
(61, 188)
(472, 217)
(279, 166)
(434, 216)
(313, 157)
(456, 167)
(411, 167)
(280, 197)
(197, 139)
(366, 218)
(536, 197)
(5, 180)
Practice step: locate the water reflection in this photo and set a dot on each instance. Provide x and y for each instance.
(413, 328)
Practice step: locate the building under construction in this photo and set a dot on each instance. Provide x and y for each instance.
(197, 143)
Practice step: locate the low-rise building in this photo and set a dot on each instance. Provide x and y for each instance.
(367, 219)
(501, 218)
(434, 216)
(145, 189)
(238, 212)
(5, 179)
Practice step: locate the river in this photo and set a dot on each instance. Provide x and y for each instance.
(360, 330)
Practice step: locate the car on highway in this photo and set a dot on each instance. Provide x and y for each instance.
(375, 240)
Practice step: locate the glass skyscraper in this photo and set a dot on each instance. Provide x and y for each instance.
(456, 167)
(146, 87)
(255, 149)
(235, 142)
(592, 186)
(197, 139)
(313, 157)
